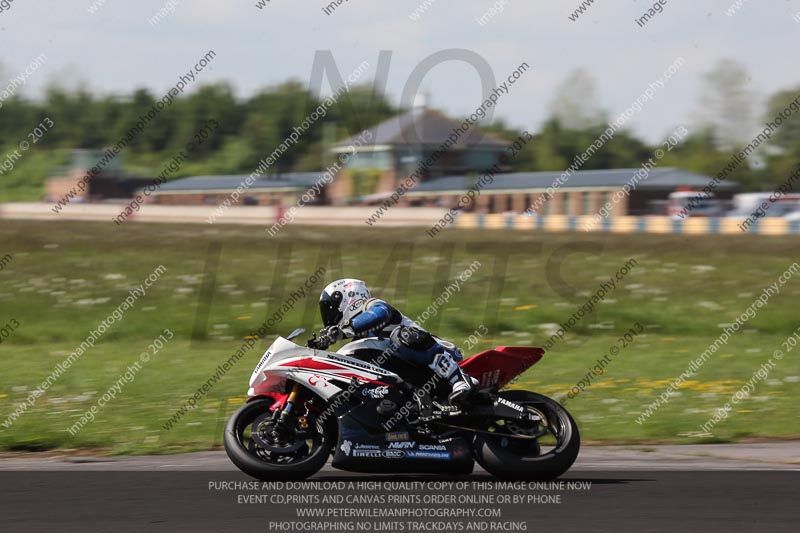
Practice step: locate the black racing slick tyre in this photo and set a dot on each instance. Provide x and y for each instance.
(531, 460)
(244, 440)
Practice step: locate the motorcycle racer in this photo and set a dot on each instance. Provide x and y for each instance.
(350, 312)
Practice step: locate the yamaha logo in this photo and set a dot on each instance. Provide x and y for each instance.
(263, 360)
(509, 404)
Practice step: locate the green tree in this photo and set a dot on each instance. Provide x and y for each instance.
(726, 105)
(575, 102)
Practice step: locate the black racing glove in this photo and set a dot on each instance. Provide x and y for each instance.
(333, 334)
(327, 336)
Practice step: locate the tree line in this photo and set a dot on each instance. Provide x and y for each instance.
(727, 119)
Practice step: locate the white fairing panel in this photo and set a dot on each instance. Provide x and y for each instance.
(316, 369)
(260, 380)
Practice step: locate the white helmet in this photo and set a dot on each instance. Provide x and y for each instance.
(342, 300)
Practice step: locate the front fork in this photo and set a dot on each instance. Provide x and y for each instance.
(285, 413)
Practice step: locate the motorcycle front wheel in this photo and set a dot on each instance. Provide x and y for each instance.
(258, 448)
(543, 458)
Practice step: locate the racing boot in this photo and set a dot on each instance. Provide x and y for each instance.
(445, 366)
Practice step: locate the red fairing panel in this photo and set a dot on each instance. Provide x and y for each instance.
(280, 399)
(499, 366)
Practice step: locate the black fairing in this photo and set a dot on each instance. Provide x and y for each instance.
(375, 437)
(399, 450)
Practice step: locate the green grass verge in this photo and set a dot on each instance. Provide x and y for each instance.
(64, 279)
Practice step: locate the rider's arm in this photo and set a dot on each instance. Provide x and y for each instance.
(376, 315)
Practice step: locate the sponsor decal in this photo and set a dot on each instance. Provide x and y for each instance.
(316, 378)
(490, 378)
(419, 454)
(355, 305)
(445, 408)
(374, 454)
(355, 363)
(393, 454)
(433, 447)
(398, 435)
(346, 447)
(509, 404)
(263, 360)
(376, 393)
(401, 445)
(360, 446)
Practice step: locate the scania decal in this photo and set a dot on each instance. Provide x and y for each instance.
(437, 447)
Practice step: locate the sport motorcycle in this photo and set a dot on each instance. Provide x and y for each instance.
(307, 404)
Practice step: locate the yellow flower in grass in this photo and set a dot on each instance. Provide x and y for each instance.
(724, 385)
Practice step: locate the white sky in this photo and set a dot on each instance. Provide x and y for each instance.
(116, 50)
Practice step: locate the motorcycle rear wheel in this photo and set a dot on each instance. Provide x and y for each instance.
(522, 459)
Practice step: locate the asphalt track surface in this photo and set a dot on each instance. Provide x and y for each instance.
(731, 488)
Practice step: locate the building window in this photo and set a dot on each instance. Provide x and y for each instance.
(586, 203)
(496, 203)
(546, 206)
(565, 197)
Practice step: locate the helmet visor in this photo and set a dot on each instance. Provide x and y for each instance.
(329, 308)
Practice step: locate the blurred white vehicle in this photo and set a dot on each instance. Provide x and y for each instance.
(684, 203)
(758, 205)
